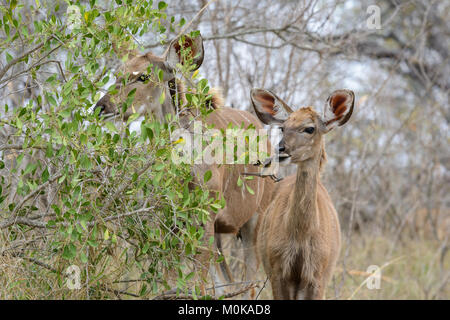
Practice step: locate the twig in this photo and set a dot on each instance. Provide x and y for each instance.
(24, 221)
(264, 285)
(36, 191)
(124, 186)
(35, 261)
(16, 60)
(191, 297)
(118, 292)
(18, 147)
(26, 53)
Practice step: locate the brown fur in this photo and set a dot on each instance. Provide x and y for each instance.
(298, 236)
(240, 204)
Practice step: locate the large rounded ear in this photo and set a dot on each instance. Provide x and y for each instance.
(338, 109)
(268, 107)
(185, 48)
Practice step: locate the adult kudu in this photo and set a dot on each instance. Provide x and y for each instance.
(240, 205)
(298, 236)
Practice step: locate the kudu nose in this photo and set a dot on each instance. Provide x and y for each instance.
(100, 106)
(281, 147)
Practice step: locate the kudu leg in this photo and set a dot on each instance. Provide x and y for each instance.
(220, 274)
(205, 254)
(315, 293)
(250, 261)
(280, 288)
(225, 269)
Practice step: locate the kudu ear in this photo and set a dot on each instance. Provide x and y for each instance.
(268, 107)
(183, 44)
(338, 108)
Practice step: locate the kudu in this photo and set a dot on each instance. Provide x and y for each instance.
(240, 205)
(298, 237)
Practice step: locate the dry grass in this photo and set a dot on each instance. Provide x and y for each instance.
(419, 271)
(416, 269)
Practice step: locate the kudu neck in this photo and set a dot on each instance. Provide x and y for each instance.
(303, 217)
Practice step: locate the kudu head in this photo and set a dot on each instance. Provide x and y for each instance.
(302, 130)
(139, 73)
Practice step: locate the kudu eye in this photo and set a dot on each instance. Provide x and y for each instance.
(309, 130)
(143, 77)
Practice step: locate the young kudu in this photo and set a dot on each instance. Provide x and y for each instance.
(240, 205)
(298, 236)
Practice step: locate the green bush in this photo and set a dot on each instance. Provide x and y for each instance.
(87, 192)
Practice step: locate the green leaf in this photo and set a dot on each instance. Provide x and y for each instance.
(45, 175)
(13, 4)
(162, 97)
(190, 276)
(131, 93)
(207, 176)
(30, 167)
(250, 190)
(83, 224)
(51, 78)
(162, 5)
(51, 100)
(49, 151)
(216, 206)
(83, 257)
(85, 162)
(239, 182)
(110, 126)
(69, 251)
(161, 152)
(93, 243)
(8, 57)
(133, 117)
(64, 113)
